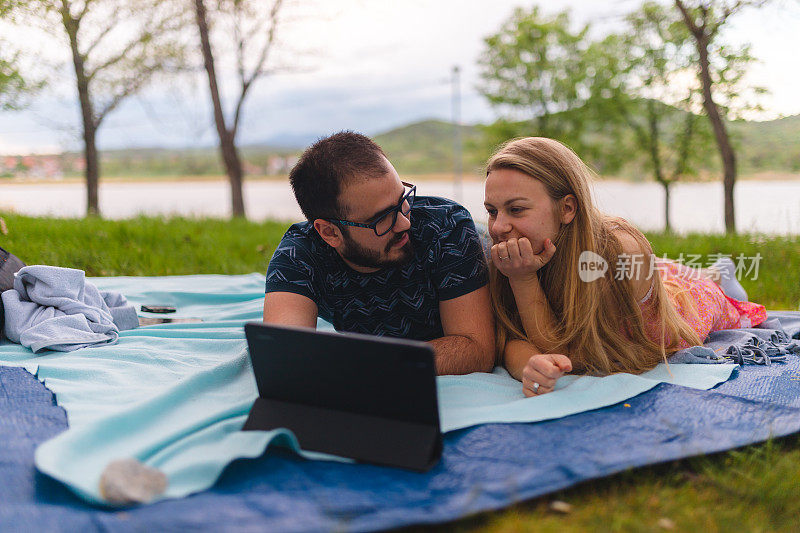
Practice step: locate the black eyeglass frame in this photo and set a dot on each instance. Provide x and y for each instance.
(373, 224)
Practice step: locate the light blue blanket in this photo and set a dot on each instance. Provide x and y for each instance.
(174, 396)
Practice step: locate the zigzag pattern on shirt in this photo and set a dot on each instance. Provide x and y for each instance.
(399, 302)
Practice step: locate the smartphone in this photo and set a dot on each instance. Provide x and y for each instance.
(150, 321)
(162, 309)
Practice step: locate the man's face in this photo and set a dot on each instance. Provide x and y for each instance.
(362, 200)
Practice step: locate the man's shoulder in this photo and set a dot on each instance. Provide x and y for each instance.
(444, 226)
(440, 214)
(300, 243)
(301, 233)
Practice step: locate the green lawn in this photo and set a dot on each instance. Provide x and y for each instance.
(753, 489)
(143, 246)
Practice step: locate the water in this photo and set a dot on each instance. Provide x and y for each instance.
(765, 207)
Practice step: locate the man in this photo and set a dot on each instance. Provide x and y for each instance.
(373, 258)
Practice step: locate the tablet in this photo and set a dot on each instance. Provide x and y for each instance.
(369, 398)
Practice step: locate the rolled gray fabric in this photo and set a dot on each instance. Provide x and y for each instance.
(54, 308)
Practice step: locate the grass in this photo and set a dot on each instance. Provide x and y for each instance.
(777, 284)
(752, 489)
(143, 246)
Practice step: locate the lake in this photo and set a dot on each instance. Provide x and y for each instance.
(761, 206)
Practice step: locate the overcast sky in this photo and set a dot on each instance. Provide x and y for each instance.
(368, 66)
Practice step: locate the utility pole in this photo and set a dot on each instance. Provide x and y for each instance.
(457, 145)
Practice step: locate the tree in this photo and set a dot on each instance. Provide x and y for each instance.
(12, 85)
(252, 27)
(534, 70)
(116, 48)
(645, 76)
(704, 19)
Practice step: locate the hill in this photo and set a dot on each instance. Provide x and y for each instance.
(426, 147)
(770, 145)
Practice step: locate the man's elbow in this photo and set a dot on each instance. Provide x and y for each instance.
(488, 358)
(485, 354)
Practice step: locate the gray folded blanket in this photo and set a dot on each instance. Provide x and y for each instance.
(769, 342)
(54, 308)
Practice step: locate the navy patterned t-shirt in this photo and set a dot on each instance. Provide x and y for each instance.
(401, 301)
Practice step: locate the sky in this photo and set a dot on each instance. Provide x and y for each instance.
(368, 66)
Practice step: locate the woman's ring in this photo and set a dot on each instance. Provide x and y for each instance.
(535, 387)
(506, 257)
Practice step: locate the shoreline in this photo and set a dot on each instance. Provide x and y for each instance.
(765, 177)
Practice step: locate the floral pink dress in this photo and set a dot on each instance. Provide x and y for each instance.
(715, 310)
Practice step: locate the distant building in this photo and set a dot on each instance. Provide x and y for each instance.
(280, 164)
(250, 169)
(32, 166)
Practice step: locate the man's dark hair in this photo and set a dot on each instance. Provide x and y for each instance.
(327, 166)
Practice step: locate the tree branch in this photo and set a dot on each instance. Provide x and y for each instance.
(240, 42)
(91, 73)
(129, 87)
(687, 18)
(99, 38)
(85, 9)
(258, 70)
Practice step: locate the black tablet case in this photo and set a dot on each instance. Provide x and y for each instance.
(9, 265)
(368, 398)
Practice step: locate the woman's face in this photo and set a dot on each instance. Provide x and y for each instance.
(519, 206)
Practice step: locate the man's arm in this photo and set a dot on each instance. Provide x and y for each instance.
(290, 309)
(468, 344)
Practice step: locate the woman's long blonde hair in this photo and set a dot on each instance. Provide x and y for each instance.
(599, 323)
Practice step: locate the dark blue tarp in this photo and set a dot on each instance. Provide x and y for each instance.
(482, 468)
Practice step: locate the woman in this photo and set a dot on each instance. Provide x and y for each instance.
(553, 319)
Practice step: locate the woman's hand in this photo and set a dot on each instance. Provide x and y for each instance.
(515, 259)
(542, 371)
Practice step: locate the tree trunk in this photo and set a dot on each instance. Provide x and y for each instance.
(655, 158)
(92, 171)
(720, 133)
(233, 166)
(227, 141)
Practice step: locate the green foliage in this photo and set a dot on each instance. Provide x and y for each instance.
(628, 99)
(733, 95)
(655, 56)
(119, 45)
(12, 85)
(534, 70)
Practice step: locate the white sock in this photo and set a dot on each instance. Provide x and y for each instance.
(727, 279)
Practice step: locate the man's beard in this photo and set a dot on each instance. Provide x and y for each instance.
(361, 256)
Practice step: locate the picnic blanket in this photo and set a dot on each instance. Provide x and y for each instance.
(483, 467)
(174, 397)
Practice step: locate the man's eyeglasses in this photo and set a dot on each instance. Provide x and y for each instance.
(383, 222)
